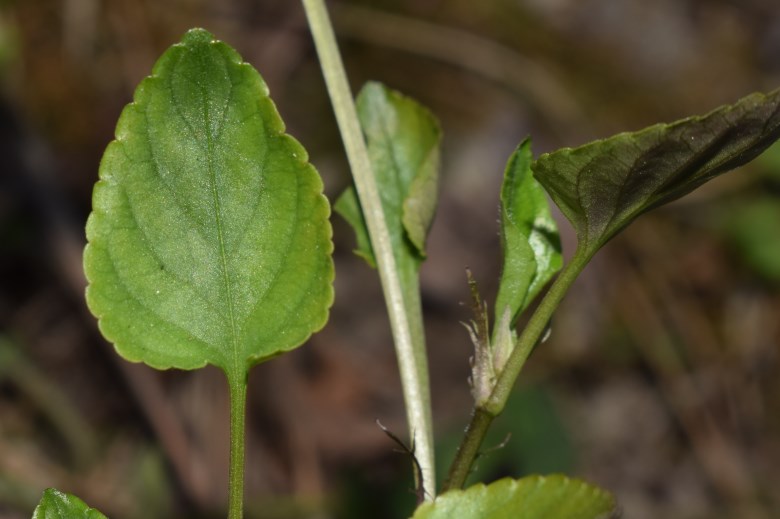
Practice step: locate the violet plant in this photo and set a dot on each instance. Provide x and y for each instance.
(209, 243)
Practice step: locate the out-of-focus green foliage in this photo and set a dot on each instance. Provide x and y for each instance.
(528, 437)
(753, 226)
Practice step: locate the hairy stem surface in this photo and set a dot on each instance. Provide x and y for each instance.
(483, 416)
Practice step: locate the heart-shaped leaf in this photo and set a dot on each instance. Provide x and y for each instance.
(403, 140)
(529, 237)
(59, 505)
(209, 239)
(602, 186)
(533, 497)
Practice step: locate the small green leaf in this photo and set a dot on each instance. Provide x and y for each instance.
(403, 145)
(209, 239)
(533, 497)
(348, 206)
(59, 505)
(602, 186)
(529, 237)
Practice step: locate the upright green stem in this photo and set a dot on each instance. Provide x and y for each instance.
(483, 416)
(410, 349)
(468, 449)
(237, 385)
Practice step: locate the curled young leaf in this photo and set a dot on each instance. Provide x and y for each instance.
(403, 140)
(209, 239)
(602, 186)
(533, 497)
(529, 237)
(59, 505)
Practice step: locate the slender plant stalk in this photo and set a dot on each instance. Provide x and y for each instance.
(410, 349)
(237, 385)
(468, 449)
(483, 416)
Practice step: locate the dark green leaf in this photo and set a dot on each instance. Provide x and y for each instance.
(533, 497)
(403, 145)
(209, 239)
(602, 186)
(59, 505)
(529, 237)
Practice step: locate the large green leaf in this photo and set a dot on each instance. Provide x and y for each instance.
(59, 505)
(209, 239)
(602, 186)
(533, 497)
(403, 144)
(529, 237)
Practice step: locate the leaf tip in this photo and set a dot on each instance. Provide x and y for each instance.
(196, 36)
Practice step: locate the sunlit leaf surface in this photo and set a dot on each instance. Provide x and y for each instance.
(59, 505)
(533, 497)
(209, 239)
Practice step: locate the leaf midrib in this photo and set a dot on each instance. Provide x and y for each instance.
(234, 339)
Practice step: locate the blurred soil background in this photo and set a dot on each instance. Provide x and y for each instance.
(661, 381)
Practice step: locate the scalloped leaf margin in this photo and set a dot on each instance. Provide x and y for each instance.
(209, 240)
(532, 497)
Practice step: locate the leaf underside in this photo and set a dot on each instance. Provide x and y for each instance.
(209, 239)
(602, 186)
(533, 497)
(59, 505)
